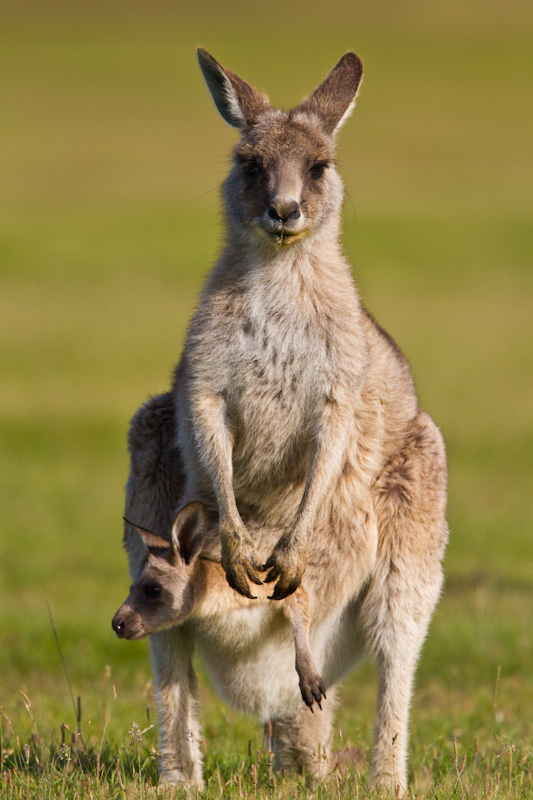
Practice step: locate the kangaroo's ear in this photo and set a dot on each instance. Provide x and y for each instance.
(238, 102)
(189, 531)
(152, 540)
(334, 100)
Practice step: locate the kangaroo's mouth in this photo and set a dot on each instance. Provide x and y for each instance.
(283, 238)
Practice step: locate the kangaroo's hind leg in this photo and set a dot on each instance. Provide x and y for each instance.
(410, 503)
(301, 739)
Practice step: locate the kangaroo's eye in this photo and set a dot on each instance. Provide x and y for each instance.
(252, 167)
(152, 591)
(317, 170)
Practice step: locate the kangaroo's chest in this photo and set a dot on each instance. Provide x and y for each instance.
(278, 370)
(274, 356)
(279, 362)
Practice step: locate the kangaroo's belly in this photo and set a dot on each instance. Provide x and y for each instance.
(250, 657)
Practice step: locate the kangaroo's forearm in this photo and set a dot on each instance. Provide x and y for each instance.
(215, 445)
(327, 463)
(238, 554)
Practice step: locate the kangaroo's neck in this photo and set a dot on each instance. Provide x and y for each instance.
(300, 267)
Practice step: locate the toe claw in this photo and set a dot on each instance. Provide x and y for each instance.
(317, 694)
(313, 690)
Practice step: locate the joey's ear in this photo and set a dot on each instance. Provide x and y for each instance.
(238, 102)
(189, 531)
(151, 540)
(334, 100)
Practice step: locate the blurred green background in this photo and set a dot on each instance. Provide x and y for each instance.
(111, 158)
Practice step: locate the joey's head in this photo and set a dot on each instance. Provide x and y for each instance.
(162, 594)
(283, 185)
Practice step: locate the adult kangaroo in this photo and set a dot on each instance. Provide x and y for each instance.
(295, 411)
(290, 399)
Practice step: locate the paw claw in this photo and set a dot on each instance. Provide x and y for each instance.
(272, 575)
(254, 577)
(283, 590)
(243, 590)
(239, 584)
(241, 565)
(286, 564)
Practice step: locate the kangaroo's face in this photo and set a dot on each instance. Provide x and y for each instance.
(162, 594)
(158, 598)
(283, 185)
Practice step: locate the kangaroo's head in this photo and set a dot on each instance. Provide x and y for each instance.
(162, 594)
(283, 185)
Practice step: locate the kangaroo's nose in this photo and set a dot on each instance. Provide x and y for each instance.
(284, 210)
(118, 627)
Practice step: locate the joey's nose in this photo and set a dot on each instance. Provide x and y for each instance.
(281, 211)
(118, 626)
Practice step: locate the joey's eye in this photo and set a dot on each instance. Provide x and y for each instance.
(252, 167)
(317, 170)
(152, 591)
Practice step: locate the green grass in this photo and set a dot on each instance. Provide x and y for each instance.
(111, 158)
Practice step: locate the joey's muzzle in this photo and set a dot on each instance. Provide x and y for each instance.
(126, 624)
(119, 625)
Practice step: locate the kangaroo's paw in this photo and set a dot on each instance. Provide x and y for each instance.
(241, 564)
(286, 564)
